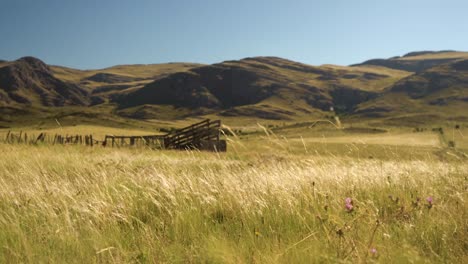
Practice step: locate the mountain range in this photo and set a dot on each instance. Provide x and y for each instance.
(414, 87)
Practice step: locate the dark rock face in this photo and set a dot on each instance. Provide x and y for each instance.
(424, 84)
(406, 65)
(215, 86)
(108, 88)
(95, 100)
(345, 99)
(25, 72)
(449, 100)
(180, 89)
(111, 78)
(29, 79)
(235, 86)
(35, 64)
(418, 53)
(461, 65)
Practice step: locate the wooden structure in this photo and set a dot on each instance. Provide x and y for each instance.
(24, 138)
(204, 135)
(133, 141)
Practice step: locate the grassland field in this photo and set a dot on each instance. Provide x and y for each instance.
(293, 194)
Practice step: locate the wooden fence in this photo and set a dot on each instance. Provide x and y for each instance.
(194, 136)
(133, 141)
(33, 139)
(204, 135)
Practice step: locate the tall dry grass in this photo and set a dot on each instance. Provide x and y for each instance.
(78, 204)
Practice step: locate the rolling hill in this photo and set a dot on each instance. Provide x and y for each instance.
(103, 82)
(268, 87)
(30, 81)
(431, 84)
(441, 91)
(417, 61)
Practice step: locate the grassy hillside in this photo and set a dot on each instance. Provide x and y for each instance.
(417, 61)
(104, 82)
(439, 92)
(267, 87)
(144, 71)
(251, 89)
(29, 81)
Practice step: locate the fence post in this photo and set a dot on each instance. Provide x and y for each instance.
(7, 139)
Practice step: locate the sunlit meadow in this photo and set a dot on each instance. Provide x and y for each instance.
(264, 202)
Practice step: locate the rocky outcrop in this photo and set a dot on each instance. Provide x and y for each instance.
(30, 81)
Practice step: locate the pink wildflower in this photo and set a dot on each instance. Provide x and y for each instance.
(430, 202)
(349, 204)
(349, 200)
(429, 199)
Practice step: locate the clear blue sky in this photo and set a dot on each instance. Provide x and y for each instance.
(99, 33)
